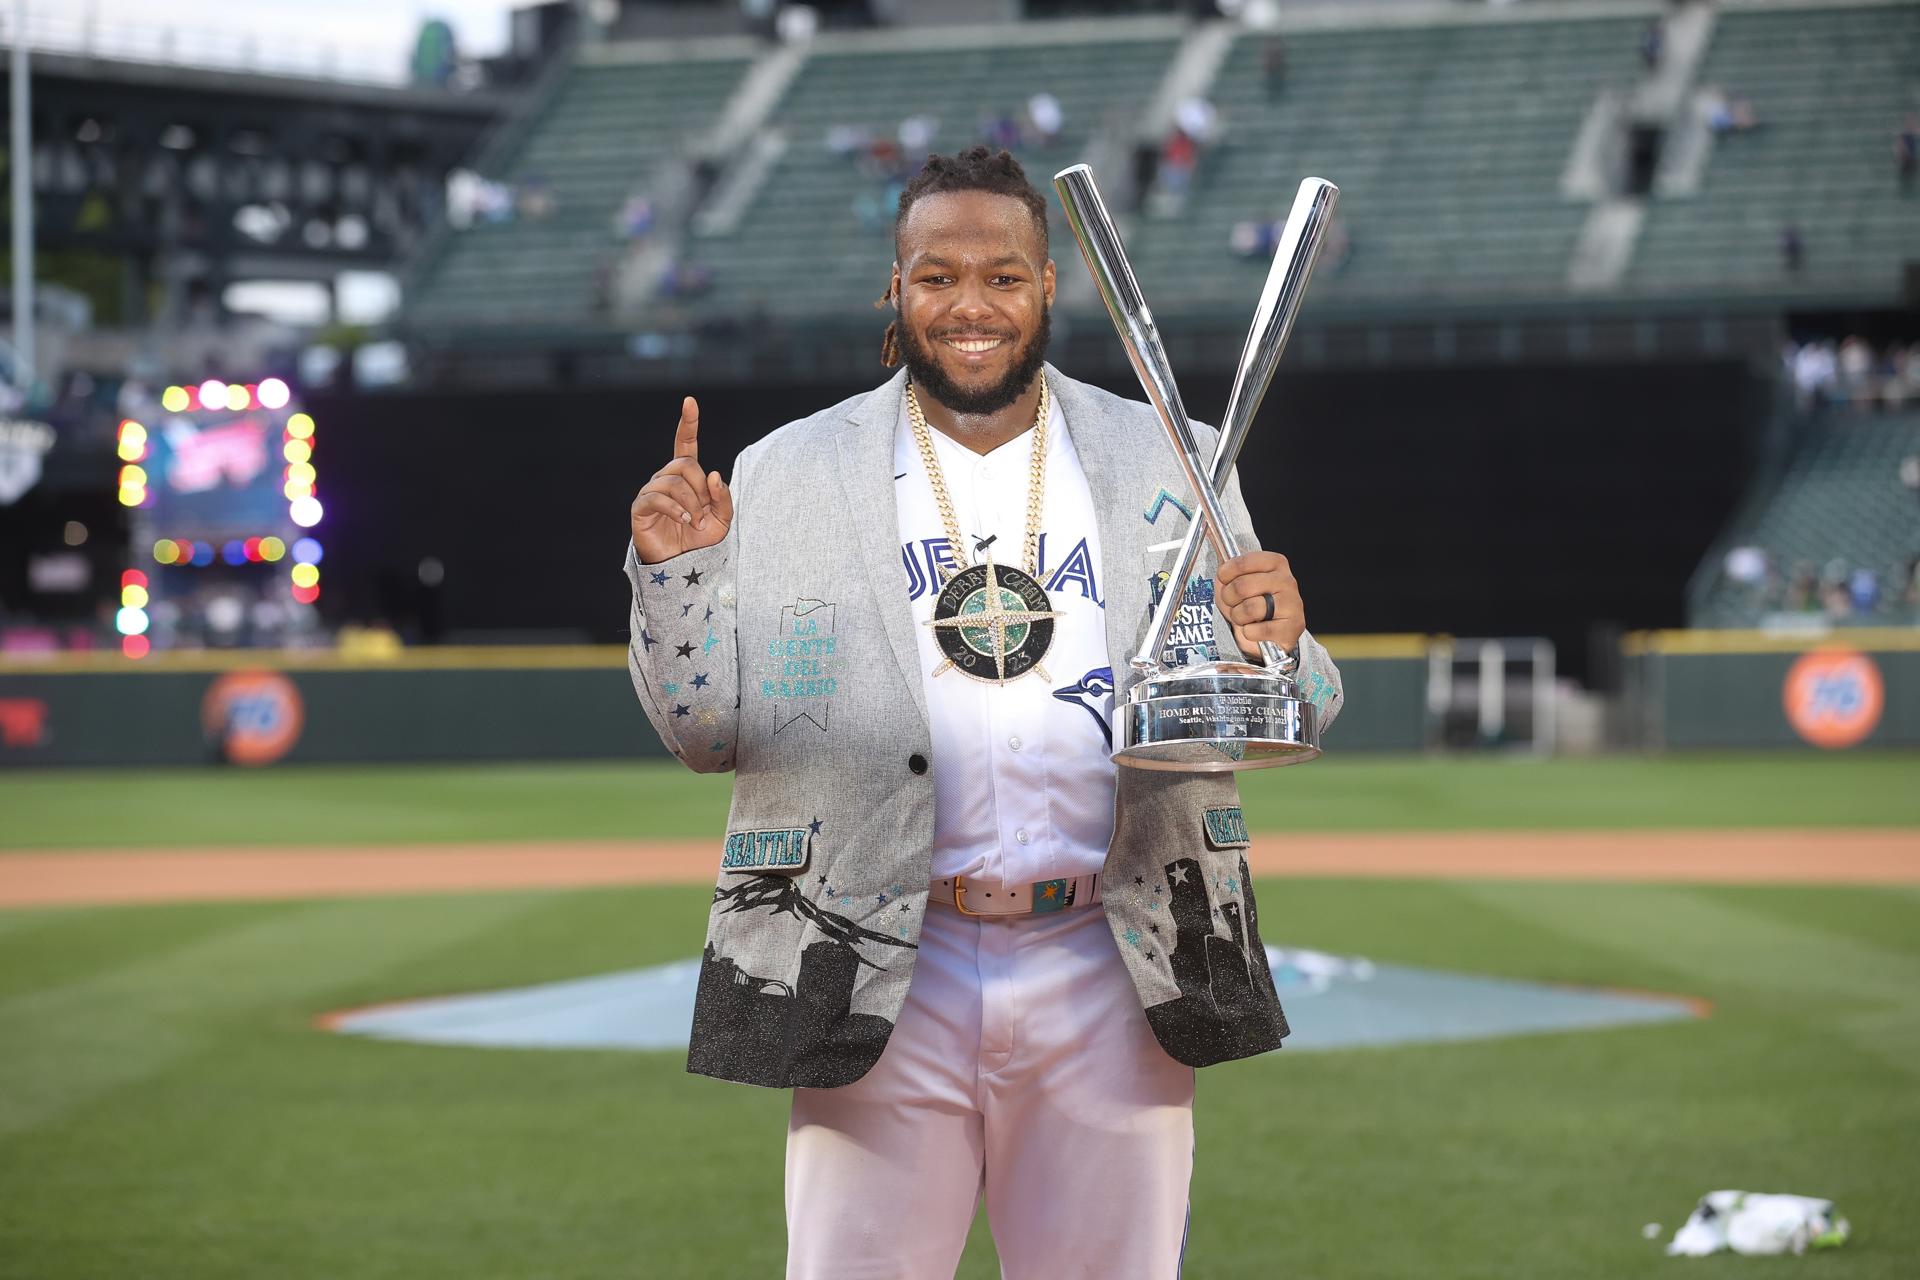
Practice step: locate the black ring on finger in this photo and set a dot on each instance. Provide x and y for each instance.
(1268, 597)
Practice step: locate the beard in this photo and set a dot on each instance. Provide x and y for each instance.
(930, 379)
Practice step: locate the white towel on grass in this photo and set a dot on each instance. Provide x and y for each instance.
(1753, 1222)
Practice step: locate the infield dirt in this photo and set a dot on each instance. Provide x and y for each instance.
(1774, 856)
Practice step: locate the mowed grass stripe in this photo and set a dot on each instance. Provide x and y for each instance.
(1698, 936)
(661, 800)
(101, 1031)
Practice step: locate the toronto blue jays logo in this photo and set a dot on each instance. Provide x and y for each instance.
(928, 561)
(1093, 692)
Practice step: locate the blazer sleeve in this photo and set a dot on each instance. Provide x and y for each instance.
(683, 652)
(1318, 678)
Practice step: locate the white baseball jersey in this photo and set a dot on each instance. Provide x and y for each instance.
(1024, 791)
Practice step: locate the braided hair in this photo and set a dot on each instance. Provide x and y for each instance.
(978, 168)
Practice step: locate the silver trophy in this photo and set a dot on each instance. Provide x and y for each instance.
(1211, 716)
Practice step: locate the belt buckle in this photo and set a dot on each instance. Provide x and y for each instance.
(960, 898)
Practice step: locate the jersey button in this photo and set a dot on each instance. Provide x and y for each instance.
(1013, 743)
(917, 763)
(1021, 835)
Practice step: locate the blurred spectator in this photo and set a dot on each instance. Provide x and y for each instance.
(1800, 588)
(1178, 159)
(1863, 590)
(1853, 373)
(1199, 119)
(848, 140)
(1906, 149)
(680, 280)
(1653, 43)
(874, 209)
(1146, 171)
(917, 133)
(1730, 113)
(1273, 67)
(1902, 375)
(472, 198)
(534, 199)
(998, 129)
(1046, 117)
(883, 161)
(1253, 238)
(1747, 566)
(1855, 360)
(636, 217)
(1793, 248)
(1814, 371)
(1835, 601)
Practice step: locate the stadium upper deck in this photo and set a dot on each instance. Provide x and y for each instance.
(1459, 138)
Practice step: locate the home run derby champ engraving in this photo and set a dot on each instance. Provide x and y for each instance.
(1215, 715)
(985, 959)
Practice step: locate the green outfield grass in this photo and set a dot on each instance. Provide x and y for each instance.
(659, 799)
(167, 1109)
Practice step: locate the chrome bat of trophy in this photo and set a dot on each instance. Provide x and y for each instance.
(1220, 715)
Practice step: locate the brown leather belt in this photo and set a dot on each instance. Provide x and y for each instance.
(1042, 897)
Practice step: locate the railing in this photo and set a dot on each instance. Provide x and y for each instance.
(86, 35)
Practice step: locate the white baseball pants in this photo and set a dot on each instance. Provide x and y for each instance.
(1021, 1068)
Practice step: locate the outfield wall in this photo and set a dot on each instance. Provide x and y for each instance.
(454, 704)
(1716, 689)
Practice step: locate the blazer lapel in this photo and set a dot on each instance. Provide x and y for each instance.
(1123, 467)
(865, 447)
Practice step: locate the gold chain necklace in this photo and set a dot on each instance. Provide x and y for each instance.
(988, 613)
(1036, 480)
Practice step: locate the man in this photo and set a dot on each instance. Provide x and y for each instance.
(985, 959)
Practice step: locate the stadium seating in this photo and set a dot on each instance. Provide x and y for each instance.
(1448, 140)
(597, 143)
(1829, 86)
(803, 248)
(1839, 498)
(1447, 143)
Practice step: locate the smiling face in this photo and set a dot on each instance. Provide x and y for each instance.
(975, 289)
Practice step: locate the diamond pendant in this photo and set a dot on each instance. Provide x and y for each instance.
(993, 623)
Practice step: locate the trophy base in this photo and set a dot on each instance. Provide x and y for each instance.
(1216, 718)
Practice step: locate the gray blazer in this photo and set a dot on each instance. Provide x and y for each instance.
(787, 654)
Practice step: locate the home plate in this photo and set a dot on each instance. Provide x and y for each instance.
(1332, 1002)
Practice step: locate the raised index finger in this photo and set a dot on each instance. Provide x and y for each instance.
(686, 437)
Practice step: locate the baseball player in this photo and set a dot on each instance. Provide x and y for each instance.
(985, 960)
